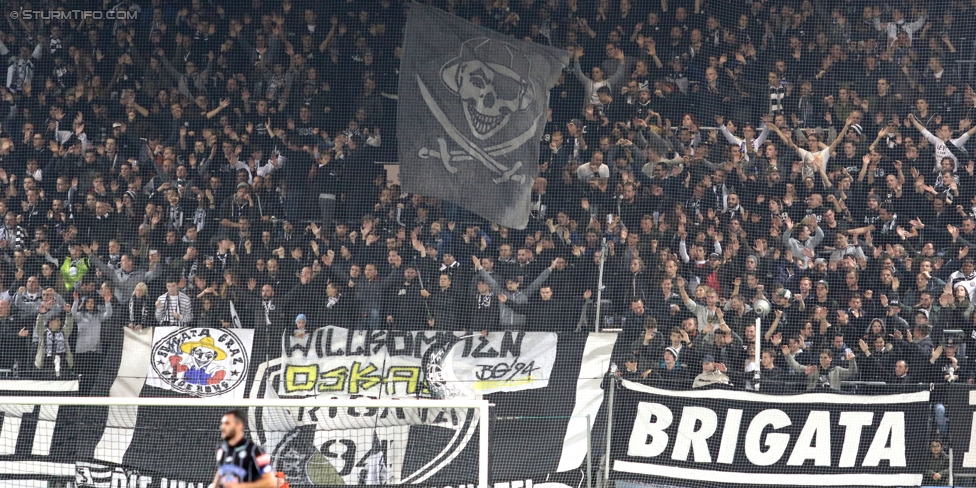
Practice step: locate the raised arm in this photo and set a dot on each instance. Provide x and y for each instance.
(485, 276)
(763, 134)
(101, 266)
(543, 276)
(735, 141)
(619, 74)
(786, 140)
(851, 370)
(795, 366)
(840, 137)
(578, 71)
(107, 312)
(935, 141)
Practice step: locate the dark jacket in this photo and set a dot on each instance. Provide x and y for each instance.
(483, 312)
(404, 303)
(934, 465)
(550, 315)
(442, 305)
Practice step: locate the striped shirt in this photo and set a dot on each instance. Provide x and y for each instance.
(178, 306)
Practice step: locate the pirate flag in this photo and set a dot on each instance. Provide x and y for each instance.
(472, 108)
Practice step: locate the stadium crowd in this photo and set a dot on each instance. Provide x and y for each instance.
(215, 164)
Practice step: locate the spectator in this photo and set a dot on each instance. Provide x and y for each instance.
(670, 371)
(173, 308)
(16, 333)
(824, 375)
(483, 309)
(712, 373)
(937, 467)
(509, 318)
(773, 379)
(53, 347)
(126, 277)
(88, 349)
(140, 311)
(548, 314)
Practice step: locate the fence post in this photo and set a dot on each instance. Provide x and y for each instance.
(951, 459)
(589, 454)
(606, 455)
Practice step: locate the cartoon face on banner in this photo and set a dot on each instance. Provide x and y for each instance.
(200, 361)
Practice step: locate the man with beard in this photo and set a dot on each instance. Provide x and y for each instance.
(241, 460)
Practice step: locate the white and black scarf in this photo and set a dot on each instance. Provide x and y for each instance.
(776, 95)
(55, 343)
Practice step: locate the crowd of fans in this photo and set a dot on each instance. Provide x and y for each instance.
(214, 164)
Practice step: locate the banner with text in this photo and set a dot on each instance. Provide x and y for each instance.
(722, 437)
(539, 430)
(382, 363)
(200, 361)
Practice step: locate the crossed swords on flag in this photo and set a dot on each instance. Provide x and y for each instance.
(470, 150)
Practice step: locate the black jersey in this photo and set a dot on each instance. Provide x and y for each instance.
(244, 462)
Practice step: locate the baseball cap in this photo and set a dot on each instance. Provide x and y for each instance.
(922, 311)
(784, 293)
(708, 358)
(819, 260)
(894, 303)
(715, 255)
(576, 122)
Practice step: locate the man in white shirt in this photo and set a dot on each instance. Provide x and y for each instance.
(815, 160)
(944, 146)
(899, 23)
(595, 168)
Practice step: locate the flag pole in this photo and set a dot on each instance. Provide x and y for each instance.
(758, 352)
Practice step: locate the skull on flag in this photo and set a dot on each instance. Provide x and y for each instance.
(485, 76)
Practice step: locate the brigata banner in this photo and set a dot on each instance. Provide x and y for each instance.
(382, 363)
(728, 437)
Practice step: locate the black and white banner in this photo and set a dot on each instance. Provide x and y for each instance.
(172, 447)
(545, 430)
(340, 362)
(727, 437)
(961, 409)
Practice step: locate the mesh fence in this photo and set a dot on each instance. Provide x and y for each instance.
(289, 199)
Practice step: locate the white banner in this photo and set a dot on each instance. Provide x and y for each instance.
(338, 362)
(200, 361)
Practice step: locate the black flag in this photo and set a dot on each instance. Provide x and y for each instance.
(472, 109)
